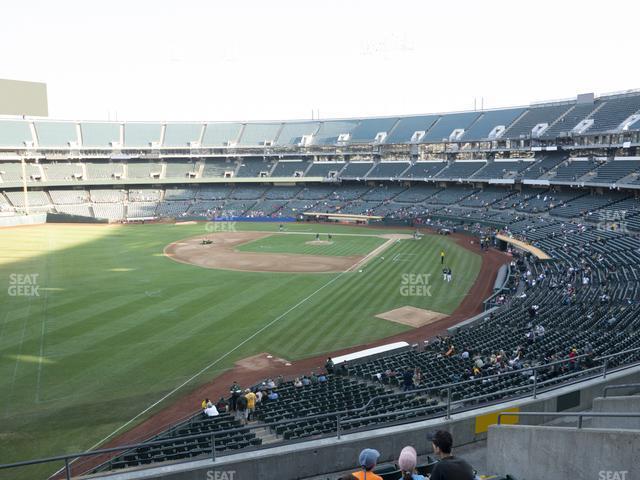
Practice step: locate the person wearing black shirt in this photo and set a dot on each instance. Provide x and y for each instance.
(448, 467)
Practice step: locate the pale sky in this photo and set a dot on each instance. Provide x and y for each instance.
(261, 59)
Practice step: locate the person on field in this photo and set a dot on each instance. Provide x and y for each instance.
(449, 274)
(441, 257)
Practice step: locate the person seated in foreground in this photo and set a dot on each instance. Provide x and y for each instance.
(448, 466)
(368, 460)
(211, 411)
(407, 462)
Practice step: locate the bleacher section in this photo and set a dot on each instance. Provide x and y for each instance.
(324, 169)
(489, 120)
(584, 205)
(567, 122)
(56, 134)
(259, 133)
(99, 134)
(144, 170)
(546, 163)
(104, 170)
(356, 169)
(180, 169)
(614, 171)
(407, 127)
(214, 168)
(221, 134)
(423, 170)
(534, 116)
(11, 172)
(572, 169)
(367, 130)
(185, 449)
(388, 170)
(62, 171)
(501, 169)
(181, 134)
(68, 197)
(290, 168)
(254, 167)
(446, 124)
(292, 133)
(614, 111)
(460, 169)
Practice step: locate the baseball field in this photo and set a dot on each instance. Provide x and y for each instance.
(98, 323)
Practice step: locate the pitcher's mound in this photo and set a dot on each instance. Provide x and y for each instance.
(412, 316)
(319, 242)
(261, 361)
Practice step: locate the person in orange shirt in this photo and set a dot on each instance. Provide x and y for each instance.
(368, 460)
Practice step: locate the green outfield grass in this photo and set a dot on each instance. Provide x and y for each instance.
(115, 325)
(341, 245)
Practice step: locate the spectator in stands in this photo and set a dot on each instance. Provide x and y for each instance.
(241, 409)
(305, 381)
(314, 378)
(407, 462)
(297, 383)
(251, 403)
(368, 460)
(273, 395)
(407, 380)
(235, 392)
(418, 378)
(211, 411)
(322, 378)
(222, 405)
(328, 365)
(206, 403)
(448, 466)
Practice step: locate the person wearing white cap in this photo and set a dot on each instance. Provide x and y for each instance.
(407, 462)
(368, 460)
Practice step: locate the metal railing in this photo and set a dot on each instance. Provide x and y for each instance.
(619, 387)
(340, 420)
(578, 415)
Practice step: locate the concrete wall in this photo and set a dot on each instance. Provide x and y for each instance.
(18, 220)
(618, 405)
(561, 453)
